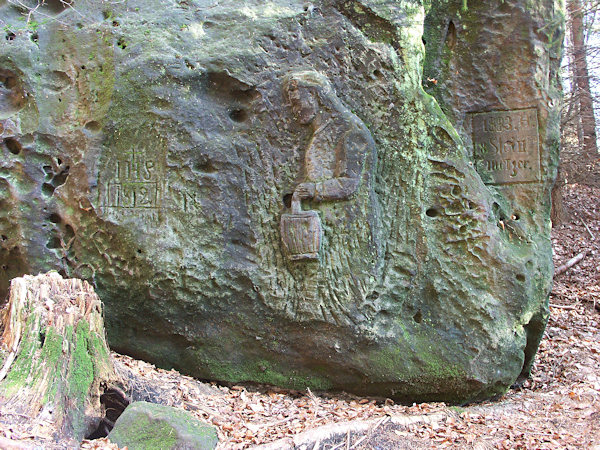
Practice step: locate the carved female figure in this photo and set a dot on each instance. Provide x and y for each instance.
(340, 148)
(338, 179)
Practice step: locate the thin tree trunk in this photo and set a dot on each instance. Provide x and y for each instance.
(558, 214)
(581, 81)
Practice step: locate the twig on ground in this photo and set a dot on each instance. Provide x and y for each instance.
(205, 409)
(313, 397)
(564, 306)
(588, 230)
(570, 263)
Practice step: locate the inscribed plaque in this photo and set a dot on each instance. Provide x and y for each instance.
(506, 146)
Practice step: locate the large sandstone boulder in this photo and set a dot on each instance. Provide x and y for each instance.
(274, 191)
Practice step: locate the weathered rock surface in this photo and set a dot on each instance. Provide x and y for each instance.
(156, 149)
(150, 426)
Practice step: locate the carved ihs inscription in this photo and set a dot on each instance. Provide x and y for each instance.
(506, 146)
(134, 182)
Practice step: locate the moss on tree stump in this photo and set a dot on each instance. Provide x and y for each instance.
(58, 363)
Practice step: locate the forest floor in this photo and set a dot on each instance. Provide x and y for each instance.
(557, 407)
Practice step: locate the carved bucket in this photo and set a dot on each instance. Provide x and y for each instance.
(301, 232)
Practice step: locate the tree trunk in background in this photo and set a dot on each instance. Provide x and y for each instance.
(583, 94)
(558, 214)
(58, 363)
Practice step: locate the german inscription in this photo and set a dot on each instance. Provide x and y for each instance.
(506, 146)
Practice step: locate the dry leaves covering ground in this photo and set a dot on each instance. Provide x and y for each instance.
(558, 407)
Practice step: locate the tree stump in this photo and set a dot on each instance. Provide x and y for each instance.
(58, 363)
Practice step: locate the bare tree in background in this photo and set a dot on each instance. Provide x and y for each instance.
(583, 47)
(581, 78)
(580, 161)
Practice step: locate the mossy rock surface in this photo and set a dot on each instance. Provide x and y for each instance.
(153, 147)
(148, 426)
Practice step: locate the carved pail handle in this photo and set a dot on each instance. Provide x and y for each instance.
(296, 203)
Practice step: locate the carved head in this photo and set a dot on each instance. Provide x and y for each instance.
(305, 91)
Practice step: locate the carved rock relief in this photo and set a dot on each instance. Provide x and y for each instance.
(335, 159)
(133, 185)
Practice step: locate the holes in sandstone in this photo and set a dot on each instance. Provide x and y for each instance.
(230, 91)
(121, 43)
(61, 178)
(34, 37)
(56, 180)
(418, 317)
(47, 189)
(515, 216)
(497, 212)
(54, 243)
(10, 36)
(205, 166)
(238, 115)
(54, 218)
(12, 96)
(69, 233)
(432, 212)
(224, 85)
(93, 126)
(13, 146)
(520, 277)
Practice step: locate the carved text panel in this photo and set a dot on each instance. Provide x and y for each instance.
(506, 146)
